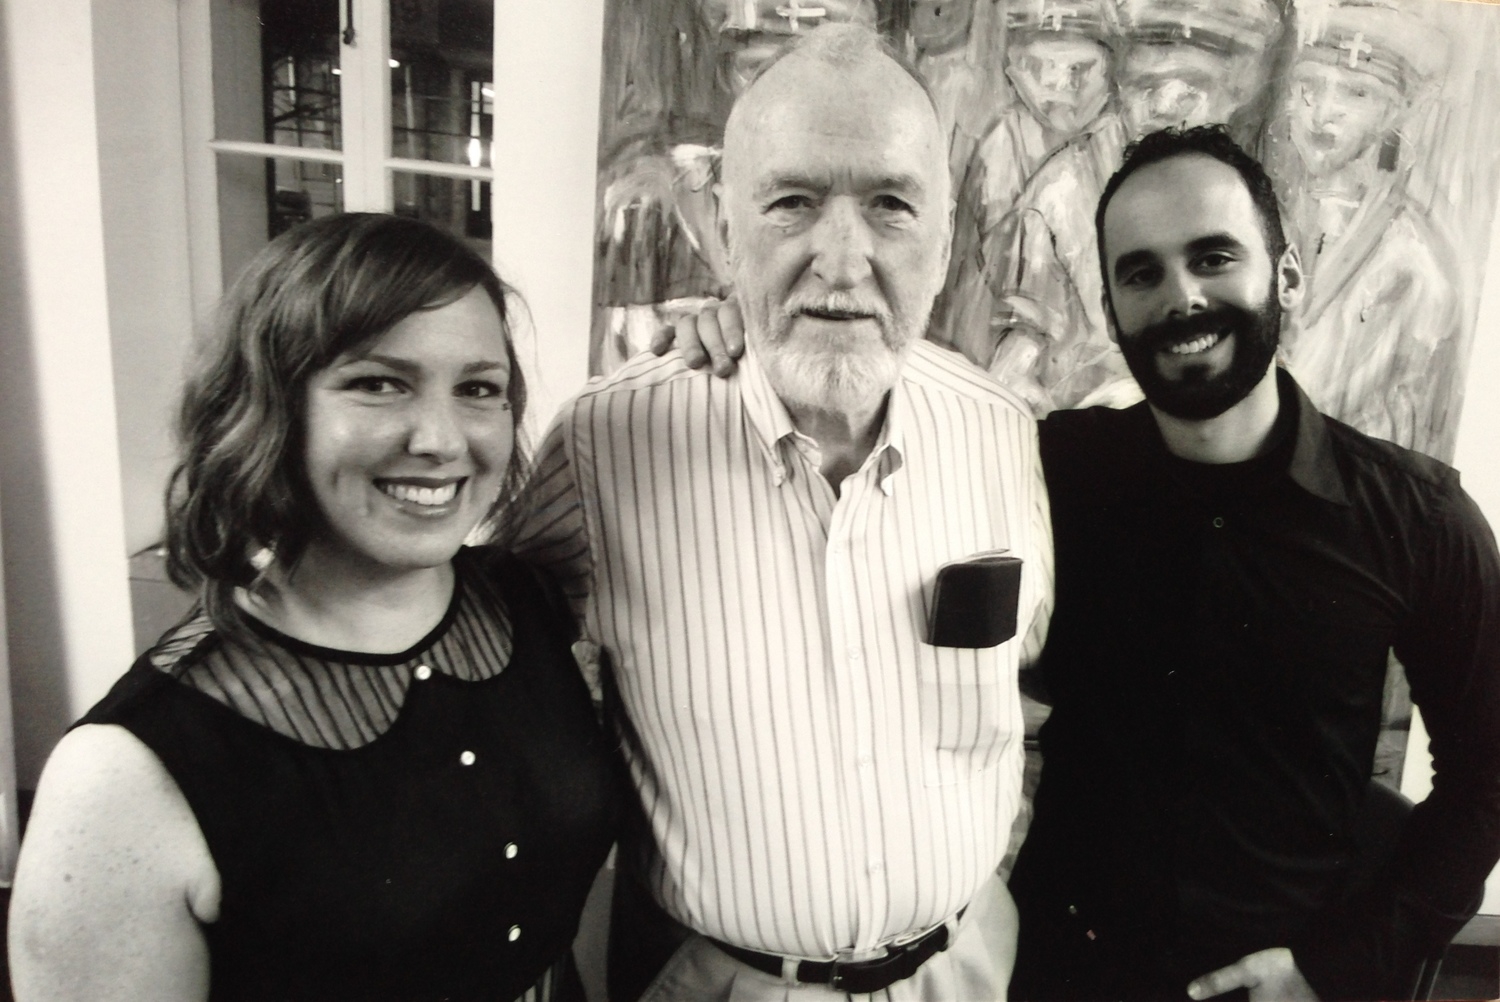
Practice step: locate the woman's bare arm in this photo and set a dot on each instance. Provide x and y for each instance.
(113, 880)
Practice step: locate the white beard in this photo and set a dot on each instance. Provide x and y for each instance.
(842, 380)
(842, 375)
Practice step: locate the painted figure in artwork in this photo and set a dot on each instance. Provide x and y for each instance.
(657, 255)
(1375, 117)
(1379, 334)
(957, 46)
(1180, 62)
(1057, 60)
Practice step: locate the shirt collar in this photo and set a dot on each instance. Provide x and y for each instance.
(890, 447)
(768, 415)
(1313, 466)
(773, 424)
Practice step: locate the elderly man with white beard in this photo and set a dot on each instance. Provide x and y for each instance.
(826, 793)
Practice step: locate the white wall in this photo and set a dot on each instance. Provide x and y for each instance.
(142, 180)
(547, 70)
(1478, 452)
(1478, 460)
(66, 601)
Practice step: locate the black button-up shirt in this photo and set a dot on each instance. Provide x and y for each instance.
(1216, 666)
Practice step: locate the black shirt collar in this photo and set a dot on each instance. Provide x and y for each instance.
(1313, 466)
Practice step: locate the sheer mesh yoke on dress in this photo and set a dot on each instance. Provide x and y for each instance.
(328, 698)
(412, 826)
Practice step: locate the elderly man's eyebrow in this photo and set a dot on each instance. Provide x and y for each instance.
(781, 182)
(910, 183)
(904, 183)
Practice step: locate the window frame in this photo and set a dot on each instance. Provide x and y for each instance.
(365, 161)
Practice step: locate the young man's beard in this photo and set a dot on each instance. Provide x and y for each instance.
(1197, 395)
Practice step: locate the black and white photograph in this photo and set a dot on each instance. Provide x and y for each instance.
(749, 500)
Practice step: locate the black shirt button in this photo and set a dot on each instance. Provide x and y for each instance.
(1218, 522)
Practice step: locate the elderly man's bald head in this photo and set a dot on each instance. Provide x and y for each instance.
(847, 50)
(835, 204)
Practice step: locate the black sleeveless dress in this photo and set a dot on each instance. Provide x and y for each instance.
(442, 852)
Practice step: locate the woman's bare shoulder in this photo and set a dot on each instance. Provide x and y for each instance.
(114, 878)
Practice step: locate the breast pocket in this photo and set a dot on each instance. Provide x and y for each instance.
(968, 712)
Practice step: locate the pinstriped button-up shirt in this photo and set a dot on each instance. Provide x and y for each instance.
(815, 776)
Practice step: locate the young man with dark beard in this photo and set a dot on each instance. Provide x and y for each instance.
(1234, 570)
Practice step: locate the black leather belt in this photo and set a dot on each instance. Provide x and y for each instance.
(859, 977)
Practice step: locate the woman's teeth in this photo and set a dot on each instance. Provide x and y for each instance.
(421, 495)
(1196, 345)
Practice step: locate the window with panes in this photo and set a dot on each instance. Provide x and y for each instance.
(321, 106)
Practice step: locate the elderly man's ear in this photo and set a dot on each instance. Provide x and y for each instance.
(721, 222)
(948, 235)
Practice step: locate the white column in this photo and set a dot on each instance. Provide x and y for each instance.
(142, 184)
(365, 101)
(66, 595)
(547, 69)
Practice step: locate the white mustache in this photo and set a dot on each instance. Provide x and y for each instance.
(839, 305)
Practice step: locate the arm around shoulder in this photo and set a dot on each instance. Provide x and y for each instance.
(113, 882)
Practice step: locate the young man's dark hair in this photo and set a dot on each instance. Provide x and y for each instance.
(1210, 141)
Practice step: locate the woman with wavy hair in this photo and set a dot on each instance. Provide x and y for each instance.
(365, 767)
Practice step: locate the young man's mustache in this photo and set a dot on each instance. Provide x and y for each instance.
(1178, 330)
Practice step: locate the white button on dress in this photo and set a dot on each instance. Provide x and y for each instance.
(423, 673)
(466, 758)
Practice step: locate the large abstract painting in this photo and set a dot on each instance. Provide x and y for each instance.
(1378, 119)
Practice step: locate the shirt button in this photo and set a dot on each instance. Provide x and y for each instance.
(863, 759)
(855, 655)
(423, 673)
(514, 934)
(1218, 522)
(511, 849)
(876, 865)
(466, 758)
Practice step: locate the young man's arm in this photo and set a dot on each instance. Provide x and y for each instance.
(1363, 946)
(1435, 880)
